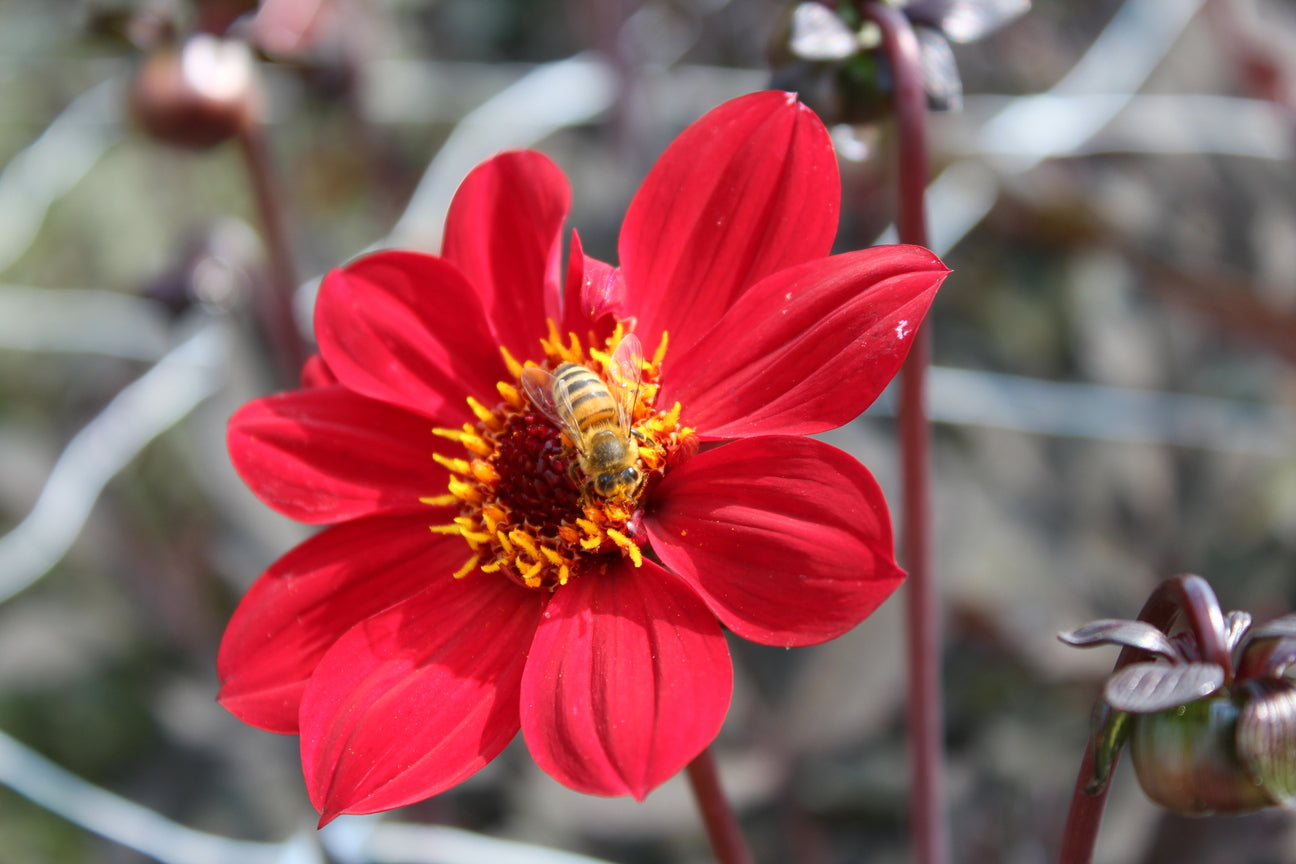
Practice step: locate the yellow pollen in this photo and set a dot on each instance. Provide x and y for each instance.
(468, 567)
(632, 548)
(458, 466)
(526, 507)
(484, 415)
(531, 576)
(554, 340)
(660, 354)
(452, 434)
(514, 367)
(492, 523)
(511, 395)
(523, 540)
(465, 491)
(439, 500)
(671, 418)
(468, 437)
(484, 472)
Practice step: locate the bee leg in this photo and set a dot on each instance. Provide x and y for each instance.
(582, 483)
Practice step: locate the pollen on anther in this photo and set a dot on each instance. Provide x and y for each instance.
(484, 415)
(458, 466)
(464, 491)
(514, 367)
(484, 472)
(510, 394)
(631, 548)
(660, 354)
(531, 576)
(439, 500)
(468, 567)
(523, 540)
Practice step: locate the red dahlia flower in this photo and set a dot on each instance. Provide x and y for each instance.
(407, 658)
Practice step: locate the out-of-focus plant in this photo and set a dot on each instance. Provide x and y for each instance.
(832, 55)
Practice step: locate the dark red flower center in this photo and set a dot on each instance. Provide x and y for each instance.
(527, 507)
(535, 474)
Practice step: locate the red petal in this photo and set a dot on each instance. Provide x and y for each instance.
(328, 455)
(593, 290)
(315, 372)
(504, 232)
(408, 329)
(808, 348)
(311, 596)
(787, 539)
(629, 679)
(746, 191)
(417, 698)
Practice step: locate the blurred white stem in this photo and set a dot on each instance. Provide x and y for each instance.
(138, 414)
(36, 778)
(55, 162)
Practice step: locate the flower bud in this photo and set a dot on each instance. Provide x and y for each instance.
(1266, 738)
(196, 96)
(1187, 758)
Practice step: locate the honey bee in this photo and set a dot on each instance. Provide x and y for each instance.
(596, 415)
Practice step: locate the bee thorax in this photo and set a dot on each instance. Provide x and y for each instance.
(606, 448)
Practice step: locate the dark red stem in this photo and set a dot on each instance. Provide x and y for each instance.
(926, 800)
(275, 309)
(721, 824)
(1186, 595)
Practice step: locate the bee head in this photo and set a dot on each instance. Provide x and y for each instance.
(624, 482)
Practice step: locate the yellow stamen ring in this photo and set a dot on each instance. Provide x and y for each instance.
(524, 509)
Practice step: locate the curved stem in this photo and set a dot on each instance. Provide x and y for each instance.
(721, 823)
(1182, 595)
(923, 645)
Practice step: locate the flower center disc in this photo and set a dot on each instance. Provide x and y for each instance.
(525, 506)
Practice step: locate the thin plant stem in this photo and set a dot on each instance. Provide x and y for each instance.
(923, 644)
(721, 823)
(1081, 830)
(275, 309)
(1187, 595)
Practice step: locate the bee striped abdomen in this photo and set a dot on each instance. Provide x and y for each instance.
(592, 404)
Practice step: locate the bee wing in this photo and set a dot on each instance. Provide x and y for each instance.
(545, 393)
(625, 373)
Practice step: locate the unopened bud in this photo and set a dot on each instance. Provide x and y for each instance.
(1186, 759)
(199, 95)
